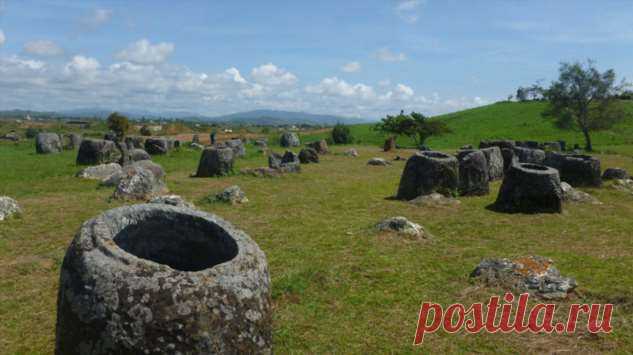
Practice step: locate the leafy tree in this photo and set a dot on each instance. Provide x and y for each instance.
(530, 93)
(341, 134)
(145, 131)
(118, 123)
(584, 98)
(415, 125)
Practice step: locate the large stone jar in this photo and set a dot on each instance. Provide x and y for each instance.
(429, 172)
(159, 279)
(530, 188)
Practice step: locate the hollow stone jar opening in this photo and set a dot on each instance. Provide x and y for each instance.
(182, 242)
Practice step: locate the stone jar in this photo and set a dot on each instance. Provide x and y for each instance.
(159, 279)
(429, 172)
(530, 188)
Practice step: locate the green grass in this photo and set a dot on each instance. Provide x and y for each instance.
(509, 120)
(338, 287)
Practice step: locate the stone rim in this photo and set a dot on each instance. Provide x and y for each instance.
(103, 230)
(532, 168)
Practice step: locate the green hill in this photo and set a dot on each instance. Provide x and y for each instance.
(511, 120)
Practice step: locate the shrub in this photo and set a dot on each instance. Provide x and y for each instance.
(118, 123)
(341, 134)
(145, 131)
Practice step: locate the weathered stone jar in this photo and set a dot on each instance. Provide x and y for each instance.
(530, 188)
(158, 279)
(429, 172)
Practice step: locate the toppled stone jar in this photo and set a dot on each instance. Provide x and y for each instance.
(156, 279)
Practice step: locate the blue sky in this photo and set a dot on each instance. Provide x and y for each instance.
(357, 58)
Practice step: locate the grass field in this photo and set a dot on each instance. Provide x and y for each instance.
(509, 120)
(338, 286)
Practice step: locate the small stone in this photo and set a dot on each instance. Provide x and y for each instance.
(378, 162)
(173, 200)
(320, 146)
(100, 172)
(138, 155)
(232, 194)
(402, 225)
(573, 195)
(435, 199)
(624, 185)
(615, 173)
(533, 274)
(261, 172)
(8, 207)
(351, 153)
(308, 155)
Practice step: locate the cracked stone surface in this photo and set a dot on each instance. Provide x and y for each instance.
(378, 162)
(534, 274)
(139, 183)
(573, 195)
(158, 279)
(8, 207)
(232, 194)
(100, 172)
(402, 225)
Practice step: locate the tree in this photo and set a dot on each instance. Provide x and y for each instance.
(118, 123)
(341, 134)
(522, 94)
(584, 98)
(145, 131)
(416, 126)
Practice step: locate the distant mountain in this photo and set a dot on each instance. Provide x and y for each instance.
(273, 117)
(257, 117)
(136, 114)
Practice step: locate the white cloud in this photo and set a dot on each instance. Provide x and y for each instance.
(234, 74)
(270, 74)
(404, 92)
(336, 87)
(2, 38)
(124, 85)
(43, 48)
(386, 55)
(97, 18)
(143, 52)
(15, 62)
(351, 67)
(407, 10)
(82, 66)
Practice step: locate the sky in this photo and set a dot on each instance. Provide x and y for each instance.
(359, 58)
